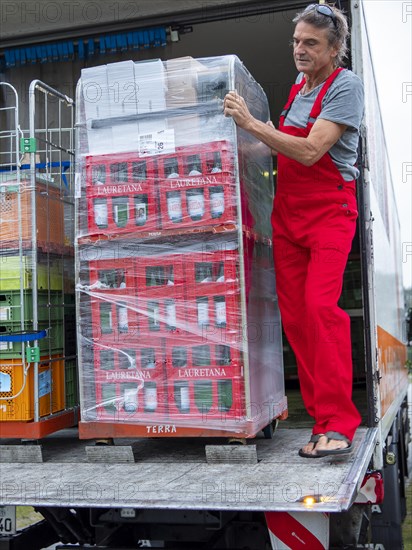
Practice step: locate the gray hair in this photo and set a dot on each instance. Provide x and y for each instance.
(337, 35)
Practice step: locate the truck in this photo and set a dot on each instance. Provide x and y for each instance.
(178, 492)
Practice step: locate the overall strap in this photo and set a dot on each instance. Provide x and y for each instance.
(317, 106)
(295, 89)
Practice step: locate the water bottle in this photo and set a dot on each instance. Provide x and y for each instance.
(153, 315)
(120, 211)
(202, 303)
(118, 172)
(151, 276)
(217, 201)
(195, 203)
(171, 322)
(106, 359)
(122, 316)
(225, 395)
(203, 395)
(109, 397)
(179, 357)
(220, 276)
(98, 174)
(203, 273)
(171, 168)
(140, 208)
(150, 397)
(100, 212)
(130, 401)
(223, 357)
(139, 172)
(216, 163)
(127, 359)
(106, 320)
(201, 355)
(174, 206)
(193, 166)
(147, 358)
(220, 311)
(182, 396)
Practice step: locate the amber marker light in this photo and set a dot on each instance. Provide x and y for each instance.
(309, 500)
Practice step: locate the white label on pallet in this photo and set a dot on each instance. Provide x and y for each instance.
(157, 143)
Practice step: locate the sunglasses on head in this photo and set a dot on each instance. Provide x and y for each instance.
(323, 9)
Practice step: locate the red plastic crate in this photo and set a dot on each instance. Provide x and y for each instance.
(159, 271)
(162, 312)
(131, 400)
(192, 192)
(206, 401)
(130, 381)
(129, 362)
(192, 356)
(112, 274)
(205, 378)
(162, 300)
(114, 302)
(114, 316)
(212, 266)
(214, 311)
(120, 194)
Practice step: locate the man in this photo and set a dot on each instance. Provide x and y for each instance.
(314, 218)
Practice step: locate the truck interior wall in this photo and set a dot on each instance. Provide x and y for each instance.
(262, 42)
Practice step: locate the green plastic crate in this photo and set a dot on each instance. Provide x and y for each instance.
(53, 343)
(49, 305)
(49, 275)
(71, 383)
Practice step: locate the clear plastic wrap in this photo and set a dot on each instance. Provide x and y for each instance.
(178, 325)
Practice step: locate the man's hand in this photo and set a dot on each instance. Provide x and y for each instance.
(235, 106)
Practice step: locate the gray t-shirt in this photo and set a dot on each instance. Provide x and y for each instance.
(343, 104)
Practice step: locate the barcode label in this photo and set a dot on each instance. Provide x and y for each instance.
(157, 143)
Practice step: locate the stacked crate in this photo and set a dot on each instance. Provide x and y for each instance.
(36, 287)
(168, 242)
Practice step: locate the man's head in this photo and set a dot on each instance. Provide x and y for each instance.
(332, 22)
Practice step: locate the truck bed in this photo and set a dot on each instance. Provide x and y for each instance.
(174, 474)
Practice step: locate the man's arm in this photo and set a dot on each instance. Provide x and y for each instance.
(307, 151)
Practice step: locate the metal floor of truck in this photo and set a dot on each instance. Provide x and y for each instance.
(175, 474)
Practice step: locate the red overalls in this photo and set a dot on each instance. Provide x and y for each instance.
(314, 221)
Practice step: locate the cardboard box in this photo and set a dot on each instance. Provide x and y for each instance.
(150, 84)
(95, 92)
(123, 89)
(182, 76)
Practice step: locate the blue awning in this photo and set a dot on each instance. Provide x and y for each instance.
(84, 48)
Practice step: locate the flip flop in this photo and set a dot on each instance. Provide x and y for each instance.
(314, 439)
(334, 452)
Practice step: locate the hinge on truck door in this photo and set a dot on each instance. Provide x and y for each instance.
(378, 376)
(364, 148)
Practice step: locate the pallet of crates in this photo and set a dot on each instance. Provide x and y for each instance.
(179, 326)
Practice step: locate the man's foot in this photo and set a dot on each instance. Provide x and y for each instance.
(330, 443)
(333, 443)
(310, 449)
